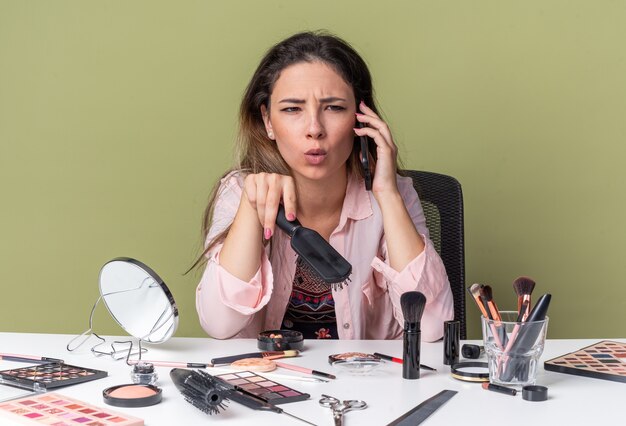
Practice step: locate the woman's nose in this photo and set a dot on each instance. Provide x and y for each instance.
(315, 128)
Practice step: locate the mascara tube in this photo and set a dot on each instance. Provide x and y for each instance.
(411, 352)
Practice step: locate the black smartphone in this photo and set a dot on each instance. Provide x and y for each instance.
(365, 162)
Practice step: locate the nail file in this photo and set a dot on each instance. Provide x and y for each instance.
(420, 413)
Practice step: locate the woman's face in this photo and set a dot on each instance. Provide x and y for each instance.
(311, 119)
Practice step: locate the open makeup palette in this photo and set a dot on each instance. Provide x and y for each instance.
(603, 360)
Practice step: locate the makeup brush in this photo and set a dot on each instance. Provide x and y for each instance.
(523, 287)
(200, 388)
(315, 254)
(267, 355)
(412, 303)
(475, 292)
(486, 294)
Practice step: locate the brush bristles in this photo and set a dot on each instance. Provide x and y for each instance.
(475, 290)
(412, 303)
(205, 393)
(523, 286)
(486, 293)
(315, 277)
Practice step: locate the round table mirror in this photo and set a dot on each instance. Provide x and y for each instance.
(138, 299)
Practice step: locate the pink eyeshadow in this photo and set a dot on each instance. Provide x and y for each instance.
(28, 402)
(290, 393)
(101, 415)
(33, 415)
(117, 419)
(87, 411)
(81, 419)
(278, 388)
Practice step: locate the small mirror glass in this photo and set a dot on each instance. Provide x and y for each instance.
(138, 299)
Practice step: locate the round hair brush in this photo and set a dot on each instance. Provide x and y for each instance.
(200, 389)
(412, 303)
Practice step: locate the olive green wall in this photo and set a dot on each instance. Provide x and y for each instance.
(116, 118)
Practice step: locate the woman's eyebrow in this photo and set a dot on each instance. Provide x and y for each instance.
(323, 100)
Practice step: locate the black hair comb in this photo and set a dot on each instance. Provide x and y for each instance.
(315, 253)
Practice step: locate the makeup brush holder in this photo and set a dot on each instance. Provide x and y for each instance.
(513, 349)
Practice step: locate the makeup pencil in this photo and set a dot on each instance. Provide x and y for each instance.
(399, 361)
(266, 355)
(171, 364)
(29, 358)
(304, 370)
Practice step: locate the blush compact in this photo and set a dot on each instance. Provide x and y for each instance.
(132, 395)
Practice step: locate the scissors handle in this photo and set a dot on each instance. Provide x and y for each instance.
(338, 416)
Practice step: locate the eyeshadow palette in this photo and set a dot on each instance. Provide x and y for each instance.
(603, 360)
(48, 376)
(58, 410)
(267, 390)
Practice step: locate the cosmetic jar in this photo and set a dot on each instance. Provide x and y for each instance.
(451, 342)
(535, 393)
(472, 351)
(280, 340)
(143, 374)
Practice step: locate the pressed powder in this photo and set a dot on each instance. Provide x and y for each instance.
(132, 395)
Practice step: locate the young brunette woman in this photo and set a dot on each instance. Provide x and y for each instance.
(299, 146)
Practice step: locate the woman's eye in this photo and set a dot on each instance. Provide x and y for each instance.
(335, 107)
(290, 109)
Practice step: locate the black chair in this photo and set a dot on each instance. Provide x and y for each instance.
(442, 201)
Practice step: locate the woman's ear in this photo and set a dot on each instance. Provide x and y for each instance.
(266, 120)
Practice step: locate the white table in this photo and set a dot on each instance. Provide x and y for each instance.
(572, 400)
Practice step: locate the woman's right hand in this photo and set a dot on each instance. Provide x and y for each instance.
(264, 191)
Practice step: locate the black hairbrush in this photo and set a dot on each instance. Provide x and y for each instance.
(207, 393)
(315, 253)
(200, 389)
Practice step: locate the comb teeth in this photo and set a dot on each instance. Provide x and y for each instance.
(314, 276)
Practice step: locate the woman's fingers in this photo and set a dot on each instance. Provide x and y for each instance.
(369, 117)
(264, 192)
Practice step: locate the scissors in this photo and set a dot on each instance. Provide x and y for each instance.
(340, 407)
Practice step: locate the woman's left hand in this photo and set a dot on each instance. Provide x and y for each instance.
(384, 181)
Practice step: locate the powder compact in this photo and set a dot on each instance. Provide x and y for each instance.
(280, 340)
(132, 395)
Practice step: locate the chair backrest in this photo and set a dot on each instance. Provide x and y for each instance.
(442, 201)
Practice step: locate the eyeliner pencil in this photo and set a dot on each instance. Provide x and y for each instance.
(171, 364)
(399, 361)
